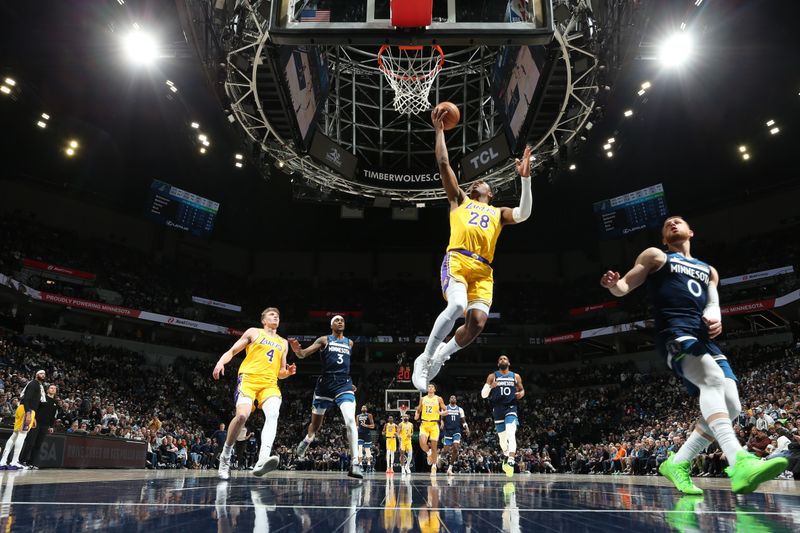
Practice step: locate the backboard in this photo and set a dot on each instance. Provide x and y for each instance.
(454, 22)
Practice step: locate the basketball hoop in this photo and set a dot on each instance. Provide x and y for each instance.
(403, 410)
(410, 70)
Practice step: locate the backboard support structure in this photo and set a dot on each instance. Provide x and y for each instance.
(394, 398)
(454, 22)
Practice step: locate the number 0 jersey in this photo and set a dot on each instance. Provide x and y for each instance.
(264, 356)
(678, 292)
(475, 226)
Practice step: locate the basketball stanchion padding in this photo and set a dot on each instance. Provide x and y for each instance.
(411, 13)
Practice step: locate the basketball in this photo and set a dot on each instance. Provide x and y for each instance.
(453, 114)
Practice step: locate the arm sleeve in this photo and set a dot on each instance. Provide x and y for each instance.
(712, 310)
(485, 390)
(523, 210)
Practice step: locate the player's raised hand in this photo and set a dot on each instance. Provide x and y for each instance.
(219, 370)
(437, 117)
(294, 344)
(714, 327)
(292, 369)
(609, 279)
(524, 164)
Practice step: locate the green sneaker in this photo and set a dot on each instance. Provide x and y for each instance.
(678, 473)
(750, 471)
(750, 520)
(508, 469)
(682, 517)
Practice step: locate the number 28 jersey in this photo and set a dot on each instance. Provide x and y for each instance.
(264, 356)
(475, 226)
(678, 292)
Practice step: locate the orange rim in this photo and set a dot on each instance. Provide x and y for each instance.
(437, 68)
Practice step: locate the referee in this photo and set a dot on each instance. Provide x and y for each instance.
(45, 419)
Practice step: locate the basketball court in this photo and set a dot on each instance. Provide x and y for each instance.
(197, 501)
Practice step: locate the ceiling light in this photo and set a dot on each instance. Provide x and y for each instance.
(774, 130)
(4, 89)
(206, 143)
(743, 148)
(73, 143)
(611, 140)
(202, 150)
(607, 147)
(572, 166)
(770, 122)
(173, 89)
(646, 85)
(676, 50)
(628, 112)
(280, 164)
(70, 152)
(169, 83)
(140, 47)
(45, 116)
(10, 82)
(745, 156)
(238, 164)
(42, 124)
(609, 154)
(238, 156)
(195, 125)
(202, 137)
(641, 92)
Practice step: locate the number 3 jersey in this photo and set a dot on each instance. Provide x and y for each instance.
(336, 357)
(678, 292)
(474, 227)
(264, 356)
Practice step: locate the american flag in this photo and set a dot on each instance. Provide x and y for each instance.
(315, 15)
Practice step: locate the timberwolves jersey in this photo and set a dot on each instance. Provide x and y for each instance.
(678, 292)
(474, 227)
(363, 432)
(336, 356)
(452, 420)
(505, 393)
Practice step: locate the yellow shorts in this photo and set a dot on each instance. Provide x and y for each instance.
(405, 445)
(478, 277)
(391, 444)
(431, 429)
(256, 388)
(24, 421)
(429, 521)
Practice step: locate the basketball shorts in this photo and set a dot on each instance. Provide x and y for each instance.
(391, 444)
(474, 274)
(676, 346)
(329, 389)
(451, 438)
(24, 420)
(255, 388)
(504, 414)
(405, 445)
(365, 440)
(429, 428)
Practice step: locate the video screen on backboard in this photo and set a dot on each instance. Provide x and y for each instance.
(514, 80)
(305, 72)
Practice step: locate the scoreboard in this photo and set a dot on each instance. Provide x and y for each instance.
(181, 209)
(645, 208)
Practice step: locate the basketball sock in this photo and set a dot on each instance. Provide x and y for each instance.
(408, 460)
(19, 445)
(349, 416)
(456, 294)
(449, 349)
(726, 437)
(227, 451)
(272, 408)
(309, 438)
(511, 435)
(9, 446)
(695, 444)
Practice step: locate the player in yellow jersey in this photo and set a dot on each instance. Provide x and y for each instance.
(257, 386)
(466, 273)
(430, 409)
(428, 517)
(390, 432)
(406, 431)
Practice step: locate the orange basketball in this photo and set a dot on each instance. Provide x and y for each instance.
(453, 114)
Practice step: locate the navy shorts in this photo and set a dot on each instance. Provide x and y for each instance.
(504, 414)
(329, 389)
(676, 346)
(452, 438)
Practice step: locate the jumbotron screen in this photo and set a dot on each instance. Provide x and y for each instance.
(181, 210)
(645, 208)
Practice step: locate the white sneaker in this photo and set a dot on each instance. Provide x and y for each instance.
(433, 470)
(437, 362)
(450, 470)
(224, 471)
(267, 465)
(420, 375)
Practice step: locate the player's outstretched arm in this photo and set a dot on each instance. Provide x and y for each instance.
(648, 261)
(454, 193)
(488, 386)
(248, 337)
(302, 353)
(522, 212)
(520, 389)
(712, 314)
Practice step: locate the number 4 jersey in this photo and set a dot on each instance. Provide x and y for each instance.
(264, 356)
(678, 292)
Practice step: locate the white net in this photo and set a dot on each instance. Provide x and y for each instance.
(411, 70)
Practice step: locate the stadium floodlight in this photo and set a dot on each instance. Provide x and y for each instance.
(646, 85)
(641, 92)
(676, 50)
(611, 140)
(195, 125)
(770, 122)
(607, 146)
(628, 112)
(573, 166)
(281, 164)
(609, 154)
(173, 89)
(42, 124)
(202, 137)
(238, 164)
(5, 89)
(140, 47)
(206, 143)
(73, 143)
(742, 148)
(745, 156)
(202, 150)
(45, 116)
(70, 152)
(10, 82)
(239, 157)
(774, 130)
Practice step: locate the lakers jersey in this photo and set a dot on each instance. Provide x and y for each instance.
(391, 431)
(430, 409)
(474, 227)
(406, 430)
(264, 356)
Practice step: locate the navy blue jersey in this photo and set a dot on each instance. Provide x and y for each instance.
(505, 393)
(678, 292)
(452, 420)
(336, 356)
(363, 432)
